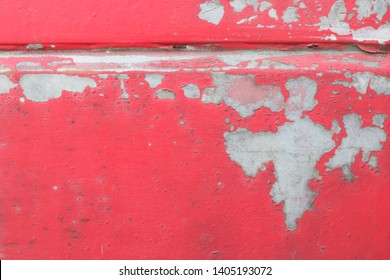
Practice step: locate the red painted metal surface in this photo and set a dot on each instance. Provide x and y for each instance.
(98, 174)
(277, 149)
(153, 23)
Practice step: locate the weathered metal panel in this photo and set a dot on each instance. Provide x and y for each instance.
(193, 154)
(231, 23)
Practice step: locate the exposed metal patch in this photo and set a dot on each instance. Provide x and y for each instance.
(191, 91)
(240, 5)
(335, 21)
(6, 84)
(377, 83)
(366, 8)
(43, 87)
(211, 11)
(302, 97)
(154, 80)
(295, 150)
(367, 140)
(244, 95)
(379, 120)
(165, 94)
(290, 15)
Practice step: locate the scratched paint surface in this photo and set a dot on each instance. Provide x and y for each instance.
(195, 155)
(153, 23)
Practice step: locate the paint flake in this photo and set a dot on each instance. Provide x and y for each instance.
(154, 80)
(335, 19)
(295, 150)
(244, 95)
(367, 140)
(273, 14)
(239, 5)
(6, 84)
(364, 80)
(366, 8)
(290, 15)
(165, 94)
(265, 5)
(211, 11)
(191, 91)
(302, 97)
(43, 87)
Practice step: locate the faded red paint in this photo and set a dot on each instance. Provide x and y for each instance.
(86, 176)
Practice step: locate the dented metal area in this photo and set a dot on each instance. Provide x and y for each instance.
(214, 151)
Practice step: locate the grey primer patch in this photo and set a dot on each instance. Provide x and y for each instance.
(154, 80)
(379, 120)
(209, 96)
(295, 150)
(244, 95)
(358, 139)
(368, 33)
(31, 66)
(265, 5)
(211, 11)
(366, 8)
(336, 127)
(191, 91)
(240, 5)
(341, 82)
(371, 64)
(103, 76)
(122, 78)
(165, 94)
(363, 80)
(6, 84)
(335, 19)
(302, 97)
(373, 162)
(272, 14)
(42, 87)
(290, 15)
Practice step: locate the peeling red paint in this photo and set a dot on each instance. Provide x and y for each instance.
(130, 154)
(91, 175)
(155, 23)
